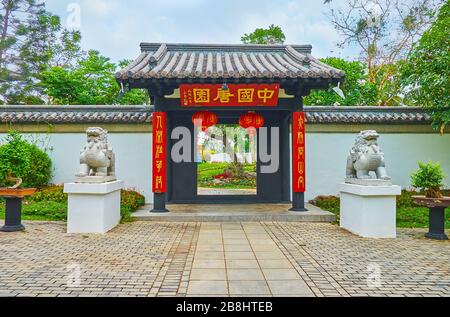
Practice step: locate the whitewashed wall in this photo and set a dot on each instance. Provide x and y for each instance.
(326, 157)
(133, 157)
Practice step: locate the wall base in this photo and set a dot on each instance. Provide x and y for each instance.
(369, 211)
(93, 208)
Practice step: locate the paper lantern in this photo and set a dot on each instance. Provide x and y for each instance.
(251, 121)
(204, 119)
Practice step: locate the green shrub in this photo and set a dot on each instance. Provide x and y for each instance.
(51, 193)
(429, 178)
(14, 158)
(40, 172)
(24, 160)
(130, 202)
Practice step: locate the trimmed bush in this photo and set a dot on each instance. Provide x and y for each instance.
(24, 160)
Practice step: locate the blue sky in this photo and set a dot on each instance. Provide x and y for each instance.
(116, 27)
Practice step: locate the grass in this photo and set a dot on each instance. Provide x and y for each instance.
(409, 215)
(207, 171)
(50, 204)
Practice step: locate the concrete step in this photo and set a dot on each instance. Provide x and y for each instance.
(234, 213)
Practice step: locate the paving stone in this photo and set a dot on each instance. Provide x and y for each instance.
(248, 287)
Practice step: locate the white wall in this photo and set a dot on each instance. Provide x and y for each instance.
(133, 157)
(326, 158)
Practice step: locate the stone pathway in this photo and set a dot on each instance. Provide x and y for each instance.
(220, 259)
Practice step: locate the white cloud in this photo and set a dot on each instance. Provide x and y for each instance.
(116, 27)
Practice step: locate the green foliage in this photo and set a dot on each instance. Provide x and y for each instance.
(357, 89)
(90, 82)
(329, 203)
(31, 40)
(130, 202)
(272, 35)
(428, 177)
(24, 160)
(40, 168)
(50, 193)
(426, 72)
(14, 158)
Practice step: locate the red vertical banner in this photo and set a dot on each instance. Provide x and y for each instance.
(159, 122)
(299, 152)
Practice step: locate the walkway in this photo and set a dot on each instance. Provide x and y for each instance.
(220, 259)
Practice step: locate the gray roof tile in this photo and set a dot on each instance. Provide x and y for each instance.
(160, 60)
(142, 114)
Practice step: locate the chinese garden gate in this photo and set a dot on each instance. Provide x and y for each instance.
(229, 80)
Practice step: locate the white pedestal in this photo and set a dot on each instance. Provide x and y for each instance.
(93, 208)
(369, 211)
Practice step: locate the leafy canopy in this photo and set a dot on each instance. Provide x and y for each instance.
(357, 89)
(90, 82)
(427, 71)
(272, 35)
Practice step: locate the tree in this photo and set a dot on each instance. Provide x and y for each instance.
(31, 39)
(357, 89)
(272, 35)
(90, 82)
(384, 31)
(426, 72)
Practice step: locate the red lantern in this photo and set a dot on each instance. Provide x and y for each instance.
(251, 121)
(204, 119)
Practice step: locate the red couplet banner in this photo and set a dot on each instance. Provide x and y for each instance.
(198, 95)
(298, 152)
(159, 121)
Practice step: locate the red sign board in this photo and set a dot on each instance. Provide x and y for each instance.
(264, 95)
(159, 121)
(298, 152)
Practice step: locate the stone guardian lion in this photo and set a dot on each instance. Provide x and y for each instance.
(97, 159)
(365, 157)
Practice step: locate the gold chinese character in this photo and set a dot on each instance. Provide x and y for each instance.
(159, 120)
(301, 123)
(159, 165)
(301, 168)
(301, 153)
(201, 95)
(158, 182)
(300, 138)
(266, 94)
(159, 137)
(301, 182)
(159, 151)
(246, 95)
(223, 95)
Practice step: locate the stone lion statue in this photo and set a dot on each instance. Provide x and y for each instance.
(365, 157)
(97, 158)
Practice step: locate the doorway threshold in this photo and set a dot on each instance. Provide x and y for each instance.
(234, 213)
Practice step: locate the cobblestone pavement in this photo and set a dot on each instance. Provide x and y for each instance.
(220, 259)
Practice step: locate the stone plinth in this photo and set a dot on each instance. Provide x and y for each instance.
(93, 208)
(369, 211)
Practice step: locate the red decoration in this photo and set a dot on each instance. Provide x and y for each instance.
(204, 119)
(298, 152)
(159, 152)
(251, 121)
(229, 95)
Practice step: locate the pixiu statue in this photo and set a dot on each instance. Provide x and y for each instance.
(365, 157)
(97, 159)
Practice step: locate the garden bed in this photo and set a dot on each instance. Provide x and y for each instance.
(50, 204)
(208, 171)
(409, 215)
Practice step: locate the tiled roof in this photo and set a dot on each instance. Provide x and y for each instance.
(142, 114)
(178, 61)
